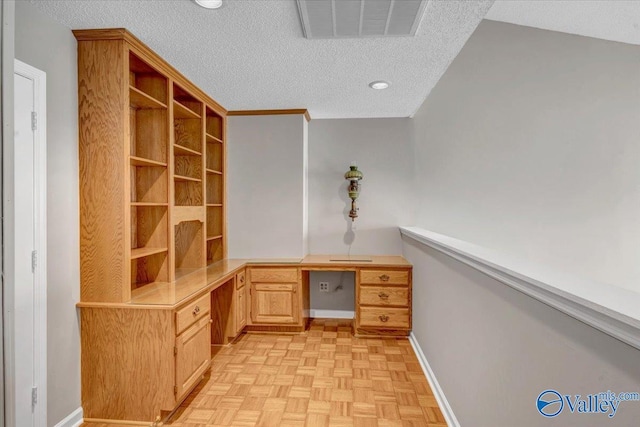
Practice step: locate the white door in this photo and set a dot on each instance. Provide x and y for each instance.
(29, 350)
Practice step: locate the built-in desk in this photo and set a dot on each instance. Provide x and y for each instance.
(141, 358)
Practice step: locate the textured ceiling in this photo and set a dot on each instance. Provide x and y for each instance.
(617, 20)
(252, 55)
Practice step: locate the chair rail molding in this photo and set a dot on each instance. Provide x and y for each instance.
(610, 309)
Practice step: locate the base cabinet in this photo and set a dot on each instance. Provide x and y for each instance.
(193, 355)
(276, 297)
(383, 302)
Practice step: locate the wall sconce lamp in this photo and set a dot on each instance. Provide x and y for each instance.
(354, 176)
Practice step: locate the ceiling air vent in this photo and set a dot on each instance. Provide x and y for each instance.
(328, 19)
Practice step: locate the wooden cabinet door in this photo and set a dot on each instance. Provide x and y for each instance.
(241, 309)
(193, 355)
(274, 303)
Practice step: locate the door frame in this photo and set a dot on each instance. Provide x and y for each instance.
(39, 79)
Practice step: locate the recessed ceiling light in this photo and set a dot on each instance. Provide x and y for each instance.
(379, 84)
(209, 4)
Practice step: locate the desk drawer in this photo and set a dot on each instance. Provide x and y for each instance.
(273, 275)
(384, 296)
(192, 312)
(240, 280)
(384, 277)
(383, 317)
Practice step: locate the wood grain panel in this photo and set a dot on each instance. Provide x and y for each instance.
(240, 279)
(145, 53)
(193, 355)
(273, 275)
(384, 277)
(189, 245)
(274, 303)
(127, 363)
(223, 313)
(192, 312)
(102, 90)
(151, 134)
(384, 317)
(384, 296)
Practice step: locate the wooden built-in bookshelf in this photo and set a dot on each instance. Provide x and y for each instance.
(166, 215)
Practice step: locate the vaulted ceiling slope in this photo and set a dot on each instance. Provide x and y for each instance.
(617, 20)
(252, 55)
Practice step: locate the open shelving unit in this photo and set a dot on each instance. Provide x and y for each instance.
(149, 174)
(215, 185)
(166, 215)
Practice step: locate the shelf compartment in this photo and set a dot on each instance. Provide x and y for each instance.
(189, 167)
(181, 111)
(149, 269)
(146, 80)
(189, 245)
(149, 184)
(140, 161)
(188, 193)
(148, 135)
(212, 139)
(188, 134)
(215, 250)
(179, 150)
(186, 178)
(214, 189)
(214, 158)
(147, 204)
(140, 100)
(214, 222)
(149, 228)
(214, 125)
(143, 252)
(185, 105)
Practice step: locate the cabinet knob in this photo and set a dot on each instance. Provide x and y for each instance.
(196, 310)
(210, 320)
(383, 317)
(382, 295)
(241, 279)
(384, 278)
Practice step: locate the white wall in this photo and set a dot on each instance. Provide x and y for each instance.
(49, 46)
(383, 150)
(494, 350)
(529, 145)
(266, 186)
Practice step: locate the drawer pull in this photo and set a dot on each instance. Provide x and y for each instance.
(383, 317)
(384, 278)
(241, 279)
(196, 310)
(382, 295)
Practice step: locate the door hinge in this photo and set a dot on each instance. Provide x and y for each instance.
(175, 389)
(34, 261)
(34, 397)
(175, 350)
(34, 120)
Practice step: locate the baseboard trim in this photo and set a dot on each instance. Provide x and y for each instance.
(447, 412)
(331, 314)
(74, 419)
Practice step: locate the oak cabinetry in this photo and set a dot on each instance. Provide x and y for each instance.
(275, 296)
(383, 301)
(152, 214)
(241, 302)
(193, 355)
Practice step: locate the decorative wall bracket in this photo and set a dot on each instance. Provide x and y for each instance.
(354, 176)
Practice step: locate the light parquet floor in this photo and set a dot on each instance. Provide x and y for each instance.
(324, 377)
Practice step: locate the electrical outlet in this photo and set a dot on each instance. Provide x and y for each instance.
(324, 286)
